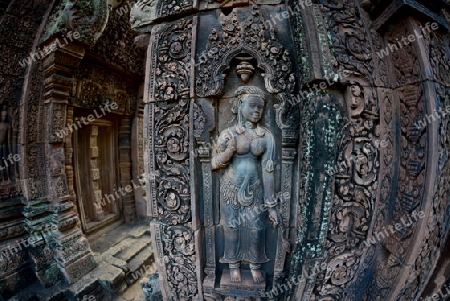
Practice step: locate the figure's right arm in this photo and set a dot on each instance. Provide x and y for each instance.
(226, 146)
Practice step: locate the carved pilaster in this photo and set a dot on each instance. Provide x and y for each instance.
(167, 132)
(68, 151)
(71, 250)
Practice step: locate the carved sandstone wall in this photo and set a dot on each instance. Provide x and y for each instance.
(359, 93)
(359, 115)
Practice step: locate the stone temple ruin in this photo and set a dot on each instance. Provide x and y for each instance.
(224, 150)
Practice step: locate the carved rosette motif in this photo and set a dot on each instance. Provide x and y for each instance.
(172, 162)
(172, 64)
(167, 133)
(170, 115)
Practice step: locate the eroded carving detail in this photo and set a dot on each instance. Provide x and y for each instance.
(434, 238)
(116, 44)
(144, 12)
(405, 63)
(86, 17)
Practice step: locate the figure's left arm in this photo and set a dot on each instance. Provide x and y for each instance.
(268, 167)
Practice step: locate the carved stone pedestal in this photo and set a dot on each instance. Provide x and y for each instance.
(247, 284)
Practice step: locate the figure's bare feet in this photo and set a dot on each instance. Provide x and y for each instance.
(235, 275)
(257, 276)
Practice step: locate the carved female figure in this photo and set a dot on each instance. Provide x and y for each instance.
(245, 187)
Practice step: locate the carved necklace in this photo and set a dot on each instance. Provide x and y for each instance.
(253, 130)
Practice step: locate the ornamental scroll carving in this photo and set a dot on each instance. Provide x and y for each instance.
(353, 204)
(172, 162)
(167, 124)
(175, 253)
(352, 49)
(361, 165)
(170, 122)
(170, 78)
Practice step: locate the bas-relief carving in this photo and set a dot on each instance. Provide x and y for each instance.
(432, 240)
(246, 33)
(167, 148)
(351, 203)
(243, 188)
(94, 87)
(32, 154)
(144, 12)
(170, 123)
(244, 37)
(167, 116)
